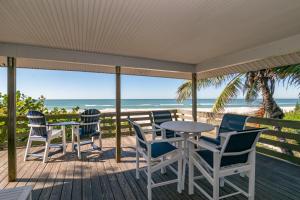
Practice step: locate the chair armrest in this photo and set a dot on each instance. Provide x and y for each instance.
(210, 147)
(178, 139)
(226, 134)
(153, 131)
(156, 126)
(148, 144)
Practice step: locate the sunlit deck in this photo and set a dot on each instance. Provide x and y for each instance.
(100, 177)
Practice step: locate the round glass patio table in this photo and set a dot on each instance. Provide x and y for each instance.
(186, 129)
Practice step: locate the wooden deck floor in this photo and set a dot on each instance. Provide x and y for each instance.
(98, 176)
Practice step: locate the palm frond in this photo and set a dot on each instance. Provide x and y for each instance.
(289, 74)
(184, 91)
(214, 81)
(229, 92)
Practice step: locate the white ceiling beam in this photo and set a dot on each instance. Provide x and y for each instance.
(65, 66)
(280, 47)
(64, 55)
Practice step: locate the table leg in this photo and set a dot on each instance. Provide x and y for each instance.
(185, 160)
(73, 138)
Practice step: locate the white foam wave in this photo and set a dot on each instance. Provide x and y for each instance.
(171, 104)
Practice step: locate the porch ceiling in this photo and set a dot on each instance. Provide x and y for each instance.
(170, 37)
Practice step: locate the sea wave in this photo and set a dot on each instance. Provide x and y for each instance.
(171, 104)
(94, 105)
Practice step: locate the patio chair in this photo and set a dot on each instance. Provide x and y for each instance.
(159, 117)
(237, 155)
(89, 129)
(230, 122)
(158, 154)
(40, 131)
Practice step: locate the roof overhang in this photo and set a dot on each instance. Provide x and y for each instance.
(151, 38)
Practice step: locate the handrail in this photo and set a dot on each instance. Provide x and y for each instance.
(282, 140)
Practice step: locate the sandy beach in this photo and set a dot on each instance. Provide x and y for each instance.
(238, 110)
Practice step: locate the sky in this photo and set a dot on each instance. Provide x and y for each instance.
(83, 85)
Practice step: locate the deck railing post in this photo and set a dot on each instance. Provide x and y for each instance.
(118, 114)
(11, 118)
(194, 96)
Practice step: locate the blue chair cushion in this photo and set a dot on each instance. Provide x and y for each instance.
(161, 148)
(208, 156)
(216, 141)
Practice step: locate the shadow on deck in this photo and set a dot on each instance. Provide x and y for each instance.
(98, 176)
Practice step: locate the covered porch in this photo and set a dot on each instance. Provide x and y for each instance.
(195, 40)
(101, 177)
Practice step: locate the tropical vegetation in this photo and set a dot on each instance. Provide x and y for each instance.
(25, 103)
(252, 85)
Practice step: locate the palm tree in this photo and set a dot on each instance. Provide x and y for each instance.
(251, 84)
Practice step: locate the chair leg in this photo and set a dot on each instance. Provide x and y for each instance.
(100, 141)
(216, 185)
(191, 176)
(179, 175)
(222, 182)
(137, 170)
(149, 181)
(64, 139)
(252, 177)
(46, 153)
(163, 169)
(27, 149)
(216, 176)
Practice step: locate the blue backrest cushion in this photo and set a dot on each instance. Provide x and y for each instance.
(89, 116)
(242, 141)
(138, 133)
(238, 143)
(37, 118)
(232, 122)
(160, 117)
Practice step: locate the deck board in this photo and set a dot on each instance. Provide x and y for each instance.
(98, 176)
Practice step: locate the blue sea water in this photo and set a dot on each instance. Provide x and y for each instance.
(102, 104)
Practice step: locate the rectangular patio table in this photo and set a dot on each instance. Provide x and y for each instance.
(75, 126)
(186, 129)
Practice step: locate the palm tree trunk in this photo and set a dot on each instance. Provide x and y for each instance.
(271, 108)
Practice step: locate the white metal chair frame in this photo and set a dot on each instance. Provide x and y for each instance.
(217, 127)
(157, 128)
(77, 134)
(51, 134)
(159, 163)
(216, 175)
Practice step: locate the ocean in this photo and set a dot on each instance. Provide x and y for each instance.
(106, 104)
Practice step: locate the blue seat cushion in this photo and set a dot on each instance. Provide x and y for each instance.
(208, 156)
(161, 148)
(215, 141)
